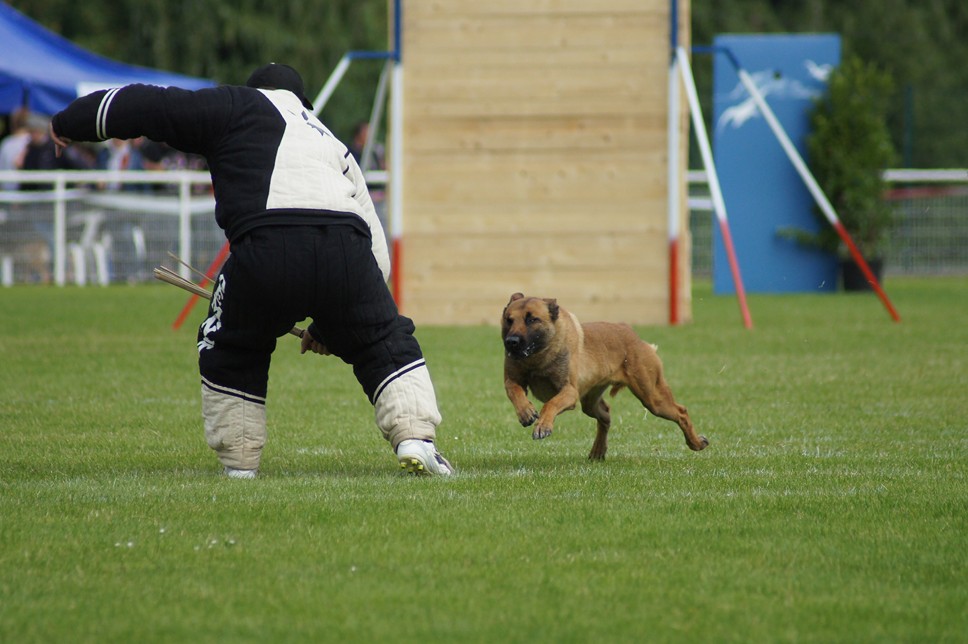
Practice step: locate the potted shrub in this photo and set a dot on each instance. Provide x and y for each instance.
(848, 148)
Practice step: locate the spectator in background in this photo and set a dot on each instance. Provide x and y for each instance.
(40, 153)
(361, 134)
(119, 155)
(12, 146)
(157, 156)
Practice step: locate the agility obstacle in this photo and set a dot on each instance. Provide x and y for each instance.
(534, 159)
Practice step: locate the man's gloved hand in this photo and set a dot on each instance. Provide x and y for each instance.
(309, 343)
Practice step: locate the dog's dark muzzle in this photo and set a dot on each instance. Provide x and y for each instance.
(517, 347)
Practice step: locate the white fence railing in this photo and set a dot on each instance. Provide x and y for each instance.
(80, 227)
(103, 227)
(59, 225)
(930, 236)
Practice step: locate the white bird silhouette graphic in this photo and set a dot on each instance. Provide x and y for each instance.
(818, 72)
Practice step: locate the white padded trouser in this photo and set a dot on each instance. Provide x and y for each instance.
(406, 406)
(234, 427)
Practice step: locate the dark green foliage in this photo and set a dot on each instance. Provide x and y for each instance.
(920, 43)
(849, 148)
(224, 41)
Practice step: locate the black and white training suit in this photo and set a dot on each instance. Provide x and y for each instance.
(306, 243)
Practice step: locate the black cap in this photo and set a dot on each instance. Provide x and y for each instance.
(277, 76)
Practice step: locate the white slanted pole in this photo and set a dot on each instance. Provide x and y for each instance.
(375, 114)
(812, 186)
(719, 204)
(330, 86)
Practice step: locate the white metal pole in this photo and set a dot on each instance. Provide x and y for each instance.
(674, 201)
(60, 229)
(184, 224)
(814, 188)
(375, 114)
(324, 94)
(396, 172)
(719, 204)
(702, 137)
(788, 147)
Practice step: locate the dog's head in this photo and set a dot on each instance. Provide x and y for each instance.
(528, 324)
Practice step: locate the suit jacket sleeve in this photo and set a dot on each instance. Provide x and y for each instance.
(191, 121)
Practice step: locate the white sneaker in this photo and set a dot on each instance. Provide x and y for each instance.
(422, 458)
(233, 473)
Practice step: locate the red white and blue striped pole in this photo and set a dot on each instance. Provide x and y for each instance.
(396, 157)
(674, 175)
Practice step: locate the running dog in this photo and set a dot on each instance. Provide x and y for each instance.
(563, 362)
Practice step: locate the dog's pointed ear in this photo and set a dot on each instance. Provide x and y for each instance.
(552, 308)
(516, 297)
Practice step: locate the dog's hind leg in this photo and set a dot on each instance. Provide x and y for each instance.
(594, 405)
(657, 398)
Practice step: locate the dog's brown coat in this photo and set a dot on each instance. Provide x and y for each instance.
(563, 362)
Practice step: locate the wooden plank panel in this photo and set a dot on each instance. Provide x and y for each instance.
(475, 135)
(440, 307)
(607, 93)
(629, 55)
(528, 81)
(567, 251)
(538, 189)
(525, 7)
(595, 180)
(603, 298)
(592, 104)
(580, 284)
(614, 94)
(516, 218)
(631, 219)
(533, 32)
(535, 158)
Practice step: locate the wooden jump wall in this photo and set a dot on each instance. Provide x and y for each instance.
(535, 158)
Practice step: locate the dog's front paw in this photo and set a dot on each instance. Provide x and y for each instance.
(528, 415)
(541, 431)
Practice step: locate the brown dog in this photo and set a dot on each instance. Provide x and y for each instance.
(562, 362)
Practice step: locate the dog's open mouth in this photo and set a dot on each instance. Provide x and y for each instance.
(520, 350)
(521, 353)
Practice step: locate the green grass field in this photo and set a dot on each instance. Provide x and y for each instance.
(831, 505)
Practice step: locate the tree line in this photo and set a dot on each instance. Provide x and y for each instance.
(922, 44)
(224, 40)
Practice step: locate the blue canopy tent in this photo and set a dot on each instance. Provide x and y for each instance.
(44, 72)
